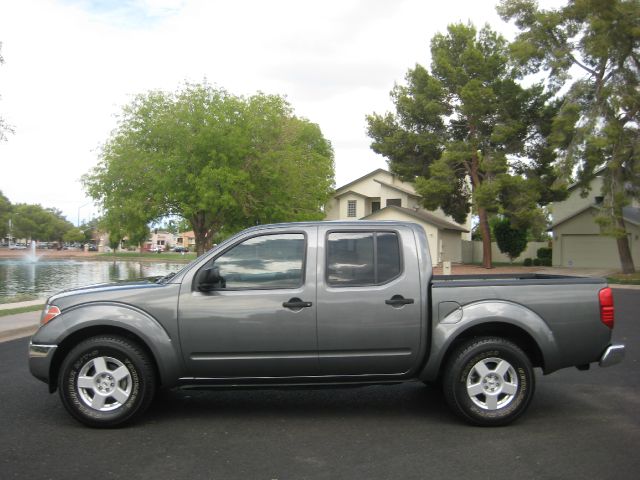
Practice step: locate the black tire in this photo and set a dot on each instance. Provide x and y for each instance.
(488, 381)
(106, 381)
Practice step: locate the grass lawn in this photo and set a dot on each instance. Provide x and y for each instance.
(15, 311)
(625, 278)
(148, 256)
(21, 297)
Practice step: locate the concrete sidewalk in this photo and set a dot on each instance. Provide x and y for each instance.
(19, 325)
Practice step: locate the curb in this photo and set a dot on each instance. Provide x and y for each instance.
(623, 286)
(17, 333)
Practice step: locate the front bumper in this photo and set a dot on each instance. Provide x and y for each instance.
(612, 355)
(40, 357)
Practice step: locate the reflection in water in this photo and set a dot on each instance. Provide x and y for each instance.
(46, 277)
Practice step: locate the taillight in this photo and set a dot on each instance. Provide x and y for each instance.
(50, 312)
(606, 307)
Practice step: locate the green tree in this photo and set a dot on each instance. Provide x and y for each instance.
(28, 221)
(73, 235)
(121, 224)
(511, 241)
(457, 127)
(218, 161)
(5, 215)
(88, 228)
(34, 222)
(597, 125)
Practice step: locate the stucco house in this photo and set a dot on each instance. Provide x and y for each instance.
(381, 195)
(186, 239)
(577, 241)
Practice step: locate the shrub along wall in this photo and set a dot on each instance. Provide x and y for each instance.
(472, 251)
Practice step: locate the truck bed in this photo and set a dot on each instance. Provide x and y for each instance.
(509, 279)
(557, 310)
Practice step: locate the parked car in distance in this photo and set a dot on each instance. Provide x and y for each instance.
(157, 249)
(180, 249)
(321, 303)
(17, 246)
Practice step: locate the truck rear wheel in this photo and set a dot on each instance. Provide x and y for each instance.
(488, 381)
(106, 381)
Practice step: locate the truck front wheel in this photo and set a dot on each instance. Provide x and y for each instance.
(488, 381)
(106, 381)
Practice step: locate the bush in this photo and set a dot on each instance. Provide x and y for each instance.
(528, 262)
(545, 262)
(544, 253)
(536, 262)
(511, 241)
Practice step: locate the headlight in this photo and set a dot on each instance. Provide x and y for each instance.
(50, 312)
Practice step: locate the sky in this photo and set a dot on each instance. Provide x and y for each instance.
(71, 65)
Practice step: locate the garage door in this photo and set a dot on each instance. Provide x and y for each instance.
(589, 251)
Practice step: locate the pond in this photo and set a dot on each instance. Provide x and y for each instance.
(46, 277)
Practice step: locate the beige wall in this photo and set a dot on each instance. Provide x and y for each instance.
(578, 243)
(574, 202)
(451, 246)
(431, 231)
(332, 209)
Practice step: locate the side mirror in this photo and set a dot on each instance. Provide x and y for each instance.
(209, 279)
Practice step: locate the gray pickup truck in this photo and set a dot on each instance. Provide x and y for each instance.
(323, 303)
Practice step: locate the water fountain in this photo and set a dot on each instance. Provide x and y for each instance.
(31, 257)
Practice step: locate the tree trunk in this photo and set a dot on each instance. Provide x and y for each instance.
(474, 173)
(626, 260)
(486, 238)
(203, 241)
(202, 231)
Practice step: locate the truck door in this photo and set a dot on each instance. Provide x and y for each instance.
(259, 319)
(369, 307)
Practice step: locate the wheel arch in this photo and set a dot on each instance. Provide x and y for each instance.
(94, 331)
(507, 331)
(507, 320)
(85, 321)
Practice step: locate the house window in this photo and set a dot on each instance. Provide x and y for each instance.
(375, 206)
(599, 200)
(394, 202)
(351, 208)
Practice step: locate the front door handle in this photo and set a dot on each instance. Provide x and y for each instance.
(296, 304)
(398, 301)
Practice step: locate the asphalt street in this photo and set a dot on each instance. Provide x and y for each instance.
(582, 425)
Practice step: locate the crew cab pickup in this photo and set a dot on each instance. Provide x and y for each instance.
(320, 303)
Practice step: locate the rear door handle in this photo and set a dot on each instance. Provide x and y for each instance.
(296, 304)
(398, 301)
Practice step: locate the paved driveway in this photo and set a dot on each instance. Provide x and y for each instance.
(582, 425)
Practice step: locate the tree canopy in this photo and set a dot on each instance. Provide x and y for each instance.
(592, 48)
(219, 161)
(5, 211)
(37, 223)
(511, 241)
(459, 127)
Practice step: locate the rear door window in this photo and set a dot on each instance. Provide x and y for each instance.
(362, 258)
